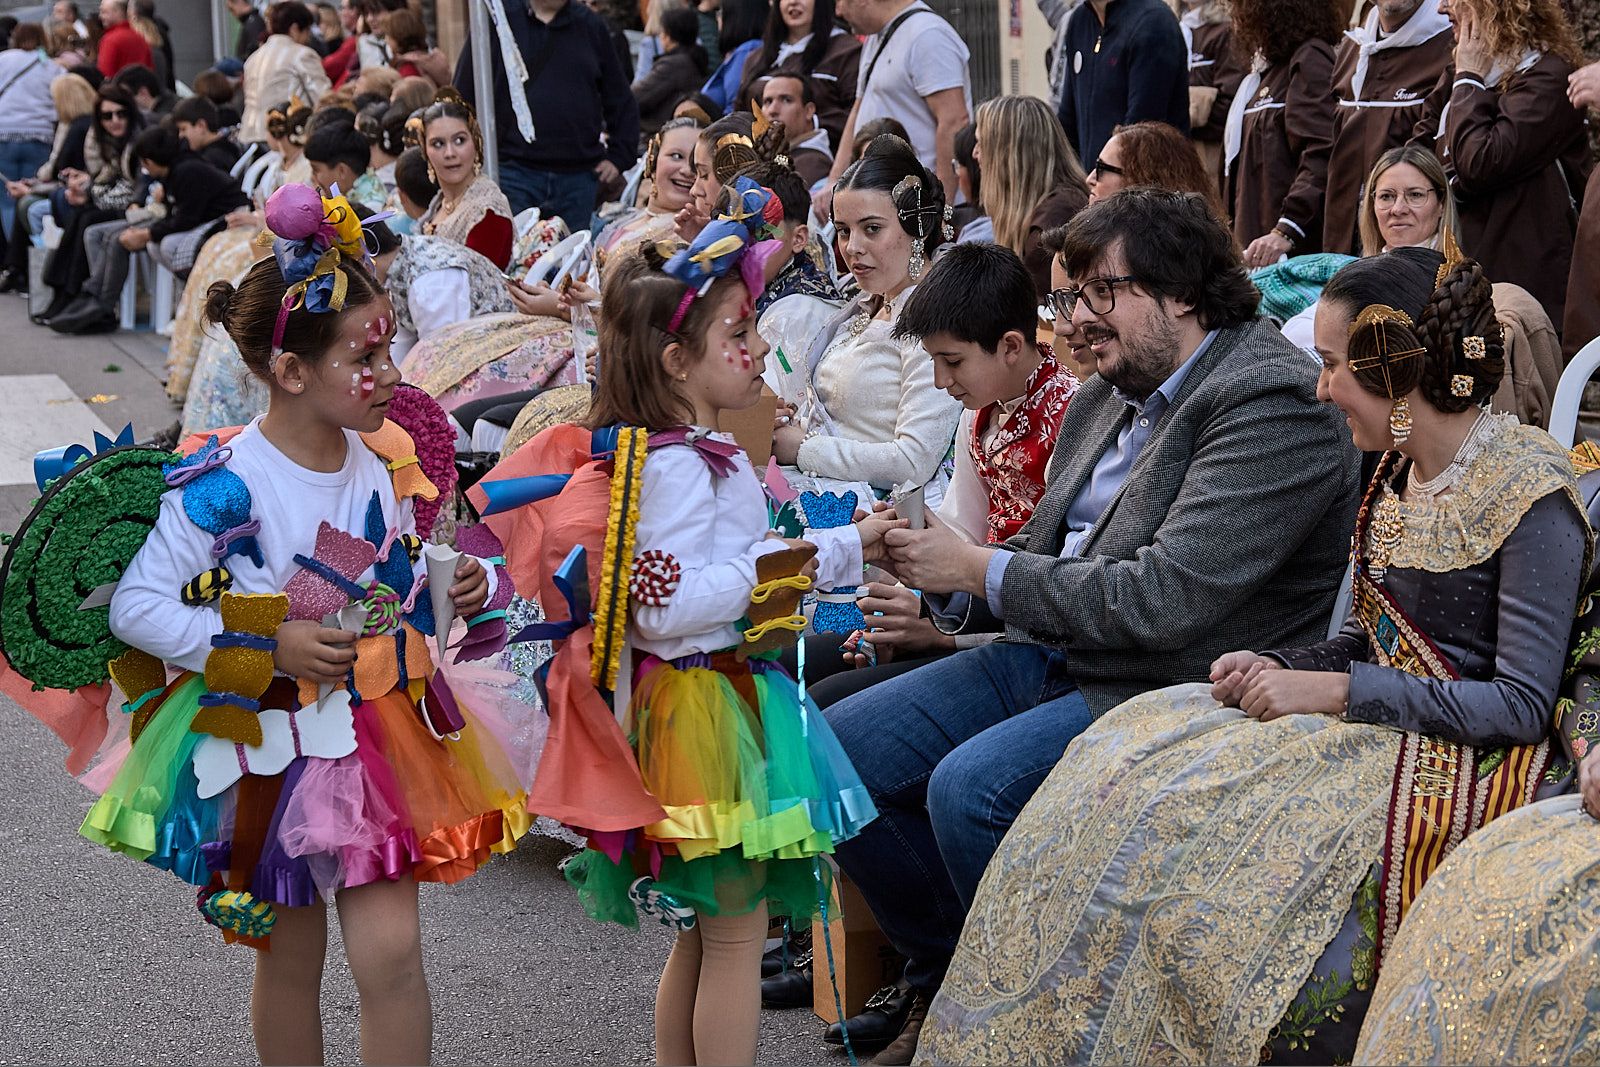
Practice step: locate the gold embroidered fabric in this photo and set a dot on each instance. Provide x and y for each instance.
(1462, 528)
(1499, 959)
(1166, 893)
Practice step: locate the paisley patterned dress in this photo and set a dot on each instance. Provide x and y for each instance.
(1193, 886)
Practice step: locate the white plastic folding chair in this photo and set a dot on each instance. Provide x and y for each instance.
(1569, 393)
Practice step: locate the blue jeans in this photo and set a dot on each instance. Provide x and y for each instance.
(950, 753)
(571, 196)
(18, 160)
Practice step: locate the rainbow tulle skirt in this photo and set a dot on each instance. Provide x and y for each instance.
(754, 785)
(403, 803)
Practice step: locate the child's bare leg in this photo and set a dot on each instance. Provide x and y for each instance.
(285, 1015)
(383, 940)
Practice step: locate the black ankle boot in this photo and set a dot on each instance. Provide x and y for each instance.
(58, 304)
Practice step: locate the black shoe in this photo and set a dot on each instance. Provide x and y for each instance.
(80, 315)
(781, 958)
(790, 989)
(903, 1049)
(58, 304)
(879, 1023)
(13, 282)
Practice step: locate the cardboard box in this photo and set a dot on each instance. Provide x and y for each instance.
(752, 428)
(864, 961)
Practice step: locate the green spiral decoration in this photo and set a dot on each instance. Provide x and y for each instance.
(82, 534)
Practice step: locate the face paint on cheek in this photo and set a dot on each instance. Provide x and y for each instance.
(377, 331)
(368, 385)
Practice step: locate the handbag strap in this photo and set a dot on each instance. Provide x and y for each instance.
(6, 88)
(883, 43)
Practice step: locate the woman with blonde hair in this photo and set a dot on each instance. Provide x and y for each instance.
(1511, 141)
(1032, 180)
(1407, 202)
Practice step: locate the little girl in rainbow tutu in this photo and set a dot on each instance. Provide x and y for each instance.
(707, 786)
(291, 744)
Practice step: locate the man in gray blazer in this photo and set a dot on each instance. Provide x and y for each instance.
(1200, 500)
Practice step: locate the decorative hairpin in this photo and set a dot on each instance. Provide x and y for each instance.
(1461, 385)
(1375, 317)
(1474, 348)
(311, 235)
(739, 238)
(733, 152)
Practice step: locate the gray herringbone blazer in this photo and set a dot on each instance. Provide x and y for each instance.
(1231, 531)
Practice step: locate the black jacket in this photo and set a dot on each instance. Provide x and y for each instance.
(196, 193)
(576, 91)
(1132, 69)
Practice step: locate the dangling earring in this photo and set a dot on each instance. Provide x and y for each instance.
(433, 179)
(477, 168)
(1400, 421)
(917, 262)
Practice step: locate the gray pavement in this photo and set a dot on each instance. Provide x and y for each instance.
(106, 961)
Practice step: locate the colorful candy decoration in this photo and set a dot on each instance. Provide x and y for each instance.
(217, 500)
(207, 588)
(394, 445)
(239, 667)
(79, 538)
(486, 631)
(611, 605)
(774, 614)
(142, 678)
(433, 442)
(327, 732)
(837, 611)
(238, 912)
(326, 581)
(655, 577)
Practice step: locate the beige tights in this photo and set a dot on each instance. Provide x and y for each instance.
(708, 1006)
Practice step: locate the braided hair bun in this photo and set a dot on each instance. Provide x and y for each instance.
(1466, 357)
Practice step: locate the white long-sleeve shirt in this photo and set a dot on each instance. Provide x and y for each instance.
(289, 501)
(716, 529)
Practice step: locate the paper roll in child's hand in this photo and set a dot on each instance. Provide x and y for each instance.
(441, 564)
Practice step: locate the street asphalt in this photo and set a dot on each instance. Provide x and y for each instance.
(106, 960)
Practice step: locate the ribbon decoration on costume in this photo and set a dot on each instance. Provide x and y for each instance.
(326, 731)
(51, 463)
(508, 494)
(311, 236)
(774, 613)
(572, 578)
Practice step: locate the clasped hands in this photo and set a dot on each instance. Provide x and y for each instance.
(1264, 689)
(312, 652)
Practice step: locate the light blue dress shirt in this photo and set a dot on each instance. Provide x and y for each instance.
(1108, 474)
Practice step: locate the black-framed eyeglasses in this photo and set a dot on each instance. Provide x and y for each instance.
(119, 113)
(1100, 294)
(1102, 167)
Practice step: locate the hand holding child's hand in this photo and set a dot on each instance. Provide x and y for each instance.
(312, 652)
(871, 529)
(471, 587)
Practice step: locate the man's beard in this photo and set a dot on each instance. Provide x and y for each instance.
(1147, 359)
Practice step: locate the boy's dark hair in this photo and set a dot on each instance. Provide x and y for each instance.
(159, 144)
(214, 85)
(411, 176)
(340, 143)
(330, 117)
(786, 185)
(966, 147)
(138, 76)
(1175, 247)
(682, 26)
(196, 109)
(977, 293)
(287, 15)
(865, 135)
(808, 89)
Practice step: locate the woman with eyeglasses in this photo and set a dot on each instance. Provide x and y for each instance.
(1280, 126)
(102, 191)
(1513, 144)
(1155, 154)
(1407, 202)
